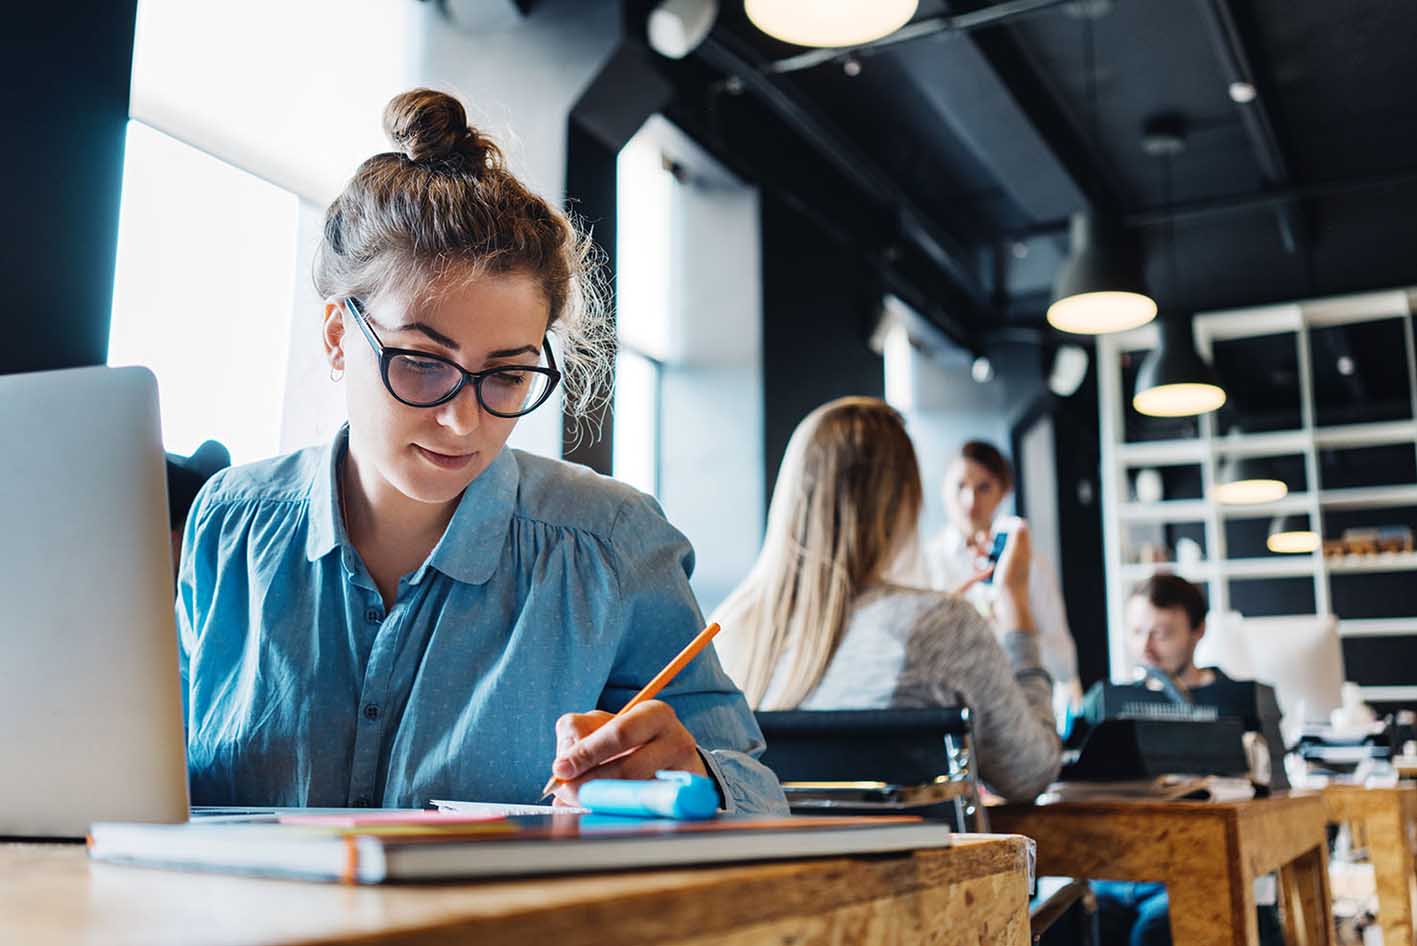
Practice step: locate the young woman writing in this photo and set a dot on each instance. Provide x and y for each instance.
(415, 610)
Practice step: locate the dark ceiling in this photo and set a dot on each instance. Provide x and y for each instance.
(955, 158)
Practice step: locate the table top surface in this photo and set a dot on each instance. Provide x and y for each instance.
(1279, 801)
(54, 894)
(1152, 840)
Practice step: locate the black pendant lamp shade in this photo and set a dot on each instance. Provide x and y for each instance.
(1248, 481)
(1174, 381)
(1291, 535)
(1100, 287)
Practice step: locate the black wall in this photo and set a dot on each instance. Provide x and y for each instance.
(1080, 572)
(820, 300)
(65, 71)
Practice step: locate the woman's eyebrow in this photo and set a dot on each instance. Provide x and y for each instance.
(513, 352)
(428, 330)
(441, 339)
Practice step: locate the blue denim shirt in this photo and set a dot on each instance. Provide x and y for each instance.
(554, 590)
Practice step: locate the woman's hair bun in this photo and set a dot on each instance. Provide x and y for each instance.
(431, 127)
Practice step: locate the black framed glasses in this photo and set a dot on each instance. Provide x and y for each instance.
(422, 379)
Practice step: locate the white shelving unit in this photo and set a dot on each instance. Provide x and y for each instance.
(1206, 451)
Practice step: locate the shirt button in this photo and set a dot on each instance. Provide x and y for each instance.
(373, 616)
(371, 711)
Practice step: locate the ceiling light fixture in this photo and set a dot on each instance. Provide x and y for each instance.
(829, 23)
(1174, 381)
(1247, 481)
(1291, 535)
(675, 28)
(1242, 93)
(1101, 287)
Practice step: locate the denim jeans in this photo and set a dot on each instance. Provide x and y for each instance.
(1139, 914)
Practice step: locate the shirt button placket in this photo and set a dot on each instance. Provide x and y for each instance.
(369, 731)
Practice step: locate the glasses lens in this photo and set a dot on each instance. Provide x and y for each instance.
(422, 380)
(513, 390)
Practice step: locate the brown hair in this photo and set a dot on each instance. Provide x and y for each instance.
(988, 456)
(847, 501)
(1172, 591)
(444, 204)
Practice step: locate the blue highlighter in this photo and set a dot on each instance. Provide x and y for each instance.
(680, 795)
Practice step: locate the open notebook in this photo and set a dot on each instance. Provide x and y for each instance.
(375, 853)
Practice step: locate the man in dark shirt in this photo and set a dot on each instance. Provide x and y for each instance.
(1165, 623)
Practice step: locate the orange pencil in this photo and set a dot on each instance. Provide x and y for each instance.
(660, 681)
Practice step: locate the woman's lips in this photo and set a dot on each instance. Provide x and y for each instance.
(445, 461)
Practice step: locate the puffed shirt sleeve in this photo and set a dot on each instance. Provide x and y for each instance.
(195, 573)
(659, 616)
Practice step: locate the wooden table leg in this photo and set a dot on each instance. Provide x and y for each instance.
(1308, 904)
(1215, 910)
(1291, 909)
(1391, 855)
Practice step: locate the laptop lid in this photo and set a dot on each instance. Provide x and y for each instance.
(89, 687)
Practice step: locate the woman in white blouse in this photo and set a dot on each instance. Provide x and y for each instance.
(978, 481)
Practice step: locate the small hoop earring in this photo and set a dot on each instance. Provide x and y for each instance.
(336, 373)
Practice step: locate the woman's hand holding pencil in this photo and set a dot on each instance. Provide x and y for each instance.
(635, 743)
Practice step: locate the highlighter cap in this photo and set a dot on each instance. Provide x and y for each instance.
(680, 795)
(695, 797)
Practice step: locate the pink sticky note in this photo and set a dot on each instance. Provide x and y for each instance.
(355, 820)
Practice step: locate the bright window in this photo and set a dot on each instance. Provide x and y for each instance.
(292, 92)
(635, 450)
(203, 293)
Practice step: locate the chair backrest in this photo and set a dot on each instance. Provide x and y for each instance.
(926, 747)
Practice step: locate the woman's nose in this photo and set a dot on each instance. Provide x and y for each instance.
(463, 414)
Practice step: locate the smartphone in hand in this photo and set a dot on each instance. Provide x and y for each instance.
(996, 549)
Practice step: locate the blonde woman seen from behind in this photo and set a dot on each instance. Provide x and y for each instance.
(817, 624)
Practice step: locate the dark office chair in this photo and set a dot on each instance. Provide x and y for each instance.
(876, 762)
(902, 762)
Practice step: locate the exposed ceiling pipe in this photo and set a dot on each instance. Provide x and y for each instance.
(1224, 206)
(731, 57)
(992, 15)
(1229, 42)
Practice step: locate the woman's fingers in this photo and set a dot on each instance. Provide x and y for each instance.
(643, 762)
(974, 580)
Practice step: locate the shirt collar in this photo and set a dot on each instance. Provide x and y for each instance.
(326, 530)
(472, 544)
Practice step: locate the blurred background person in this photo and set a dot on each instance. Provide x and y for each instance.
(976, 484)
(818, 624)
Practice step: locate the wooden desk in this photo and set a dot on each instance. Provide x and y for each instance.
(1207, 853)
(1384, 820)
(975, 892)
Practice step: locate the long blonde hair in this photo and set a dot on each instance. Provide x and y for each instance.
(847, 500)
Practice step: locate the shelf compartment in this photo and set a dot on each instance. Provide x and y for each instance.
(1378, 627)
(1368, 497)
(1365, 435)
(1174, 510)
(1382, 562)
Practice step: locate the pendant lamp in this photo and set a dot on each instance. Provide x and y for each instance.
(829, 23)
(1247, 481)
(1174, 381)
(1291, 535)
(1100, 288)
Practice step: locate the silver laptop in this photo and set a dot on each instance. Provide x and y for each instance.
(89, 689)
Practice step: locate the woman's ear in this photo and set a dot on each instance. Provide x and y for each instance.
(332, 333)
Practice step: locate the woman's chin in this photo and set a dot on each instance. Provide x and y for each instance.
(438, 486)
